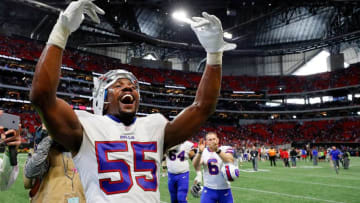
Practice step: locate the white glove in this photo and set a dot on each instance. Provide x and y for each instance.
(198, 178)
(70, 20)
(209, 31)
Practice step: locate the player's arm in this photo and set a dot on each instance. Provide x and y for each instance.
(57, 115)
(210, 34)
(192, 154)
(197, 159)
(227, 157)
(197, 165)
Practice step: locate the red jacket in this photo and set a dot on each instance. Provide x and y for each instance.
(284, 154)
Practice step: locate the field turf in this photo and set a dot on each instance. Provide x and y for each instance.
(271, 184)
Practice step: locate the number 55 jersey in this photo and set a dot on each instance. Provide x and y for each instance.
(119, 163)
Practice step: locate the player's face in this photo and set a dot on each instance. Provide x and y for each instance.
(123, 98)
(212, 140)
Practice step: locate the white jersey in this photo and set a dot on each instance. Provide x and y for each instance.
(177, 159)
(212, 163)
(120, 163)
(8, 173)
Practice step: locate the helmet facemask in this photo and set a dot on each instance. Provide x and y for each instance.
(102, 83)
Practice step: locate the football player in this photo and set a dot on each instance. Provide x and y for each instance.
(212, 158)
(178, 170)
(118, 155)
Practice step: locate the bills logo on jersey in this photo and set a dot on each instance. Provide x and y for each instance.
(230, 172)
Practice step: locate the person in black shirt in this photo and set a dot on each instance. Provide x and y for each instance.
(293, 155)
(254, 154)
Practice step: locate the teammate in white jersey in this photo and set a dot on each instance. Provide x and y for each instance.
(178, 170)
(216, 187)
(118, 155)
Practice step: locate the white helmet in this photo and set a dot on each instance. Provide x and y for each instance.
(230, 172)
(105, 81)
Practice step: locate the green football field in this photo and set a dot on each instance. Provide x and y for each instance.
(277, 184)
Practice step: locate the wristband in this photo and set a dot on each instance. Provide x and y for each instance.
(214, 58)
(59, 35)
(218, 151)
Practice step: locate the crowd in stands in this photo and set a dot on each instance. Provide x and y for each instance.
(277, 133)
(274, 133)
(31, 50)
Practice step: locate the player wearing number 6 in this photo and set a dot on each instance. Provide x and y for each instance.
(117, 154)
(213, 158)
(178, 170)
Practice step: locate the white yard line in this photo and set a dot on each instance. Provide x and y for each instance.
(311, 183)
(340, 176)
(285, 194)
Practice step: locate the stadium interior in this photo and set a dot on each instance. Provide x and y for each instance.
(293, 79)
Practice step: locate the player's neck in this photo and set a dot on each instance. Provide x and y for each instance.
(126, 119)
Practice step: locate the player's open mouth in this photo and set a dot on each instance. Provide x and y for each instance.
(127, 99)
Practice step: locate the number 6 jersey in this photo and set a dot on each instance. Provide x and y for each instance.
(119, 163)
(212, 163)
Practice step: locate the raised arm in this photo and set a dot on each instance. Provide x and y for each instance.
(210, 34)
(197, 159)
(57, 115)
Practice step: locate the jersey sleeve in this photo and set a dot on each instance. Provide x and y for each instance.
(227, 149)
(188, 146)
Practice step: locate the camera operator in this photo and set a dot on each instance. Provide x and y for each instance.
(8, 171)
(50, 172)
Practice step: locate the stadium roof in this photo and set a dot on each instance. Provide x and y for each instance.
(265, 27)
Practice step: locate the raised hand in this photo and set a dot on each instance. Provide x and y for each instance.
(208, 30)
(13, 140)
(201, 145)
(73, 15)
(70, 20)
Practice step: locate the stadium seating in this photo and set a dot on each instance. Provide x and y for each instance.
(31, 50)
(344, 130)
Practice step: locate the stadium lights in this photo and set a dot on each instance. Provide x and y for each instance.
(294, 117)
(67, 68)
(180, 15)
(15, 100)
(97, 74)
(243, 92)
(84, 96)
(227, 35)
(272, 104)
(175, 87)
(144, 83)
(358, 113)
(10, 57)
